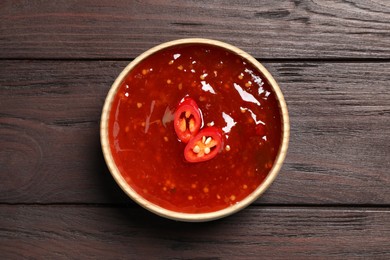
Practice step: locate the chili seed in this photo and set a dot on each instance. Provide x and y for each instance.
(183, 125)
(268, 165)
(196, 149)
(202, 98)
(192, 125)
(188, 114)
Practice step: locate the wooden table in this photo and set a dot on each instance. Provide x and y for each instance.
(331, 198)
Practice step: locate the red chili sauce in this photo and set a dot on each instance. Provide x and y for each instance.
(231, 94)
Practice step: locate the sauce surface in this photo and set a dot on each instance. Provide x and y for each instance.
(231, 94)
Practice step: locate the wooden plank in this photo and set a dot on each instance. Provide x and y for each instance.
(99, 232)
(49, 133)
(124, 29)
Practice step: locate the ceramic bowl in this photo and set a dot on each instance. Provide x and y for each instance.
(192, 217)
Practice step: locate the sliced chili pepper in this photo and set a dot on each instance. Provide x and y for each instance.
(204, 146)
(187, 119)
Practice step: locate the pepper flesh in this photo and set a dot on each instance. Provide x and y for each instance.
(204, 146)
(187, 120)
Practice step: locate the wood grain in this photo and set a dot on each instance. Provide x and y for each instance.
(132, 233)
(123, 29)
(50, 149)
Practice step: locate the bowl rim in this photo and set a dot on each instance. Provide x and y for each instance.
(193, 217)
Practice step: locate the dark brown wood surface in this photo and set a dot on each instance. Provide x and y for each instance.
(256, 233)
(340, 132)
(331, 198)
(123, 29)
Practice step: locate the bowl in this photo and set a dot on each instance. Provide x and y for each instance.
(141, 156)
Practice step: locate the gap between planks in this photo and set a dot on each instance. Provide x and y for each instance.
(268, 60)
(130, 204)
